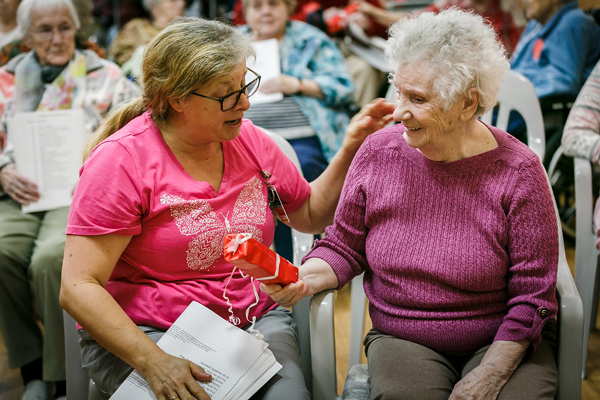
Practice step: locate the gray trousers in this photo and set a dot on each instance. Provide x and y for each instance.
(31, 254)
(403, 370)
(277, 327)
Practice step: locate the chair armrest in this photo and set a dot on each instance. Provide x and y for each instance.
(322, 339)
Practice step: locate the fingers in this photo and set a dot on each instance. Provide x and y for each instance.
(176, 378)
(22, 195)
(18, 187)
(287, 296)
(199, 373)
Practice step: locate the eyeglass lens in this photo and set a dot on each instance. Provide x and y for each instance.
(231, 101)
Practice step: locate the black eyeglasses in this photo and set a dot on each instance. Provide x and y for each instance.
(231, 100)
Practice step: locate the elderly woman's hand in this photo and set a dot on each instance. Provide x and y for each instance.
(170, 376)
(372, 117)
(486, 380)
(286, 296)
(17, 186)
(482, 383)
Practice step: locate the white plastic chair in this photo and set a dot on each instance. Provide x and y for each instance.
(586, 254)
(80, 387)
(322, 335)
(517, 93)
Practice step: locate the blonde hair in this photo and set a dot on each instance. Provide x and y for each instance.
(460, 48)
(185, 55)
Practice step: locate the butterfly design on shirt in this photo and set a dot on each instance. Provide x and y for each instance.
(197, 218)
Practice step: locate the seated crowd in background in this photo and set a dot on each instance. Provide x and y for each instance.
(556, 52)
(54, 75)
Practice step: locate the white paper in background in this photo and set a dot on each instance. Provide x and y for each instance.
(267, 65)
(48, 148)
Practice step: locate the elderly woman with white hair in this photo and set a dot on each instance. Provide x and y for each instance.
(53, 76)
(452, 222)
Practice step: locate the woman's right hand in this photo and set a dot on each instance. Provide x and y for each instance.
(170, 376)
(21, 189)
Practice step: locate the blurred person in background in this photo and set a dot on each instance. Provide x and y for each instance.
(52, 76)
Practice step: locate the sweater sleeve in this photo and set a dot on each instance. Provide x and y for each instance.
(343, 246)
(533, 252)
(581, 137)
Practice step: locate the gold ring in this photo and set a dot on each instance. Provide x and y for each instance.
(174, 397)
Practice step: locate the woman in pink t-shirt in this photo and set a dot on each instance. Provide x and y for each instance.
(167, 177)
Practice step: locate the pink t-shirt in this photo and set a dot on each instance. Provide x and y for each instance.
(132, 184)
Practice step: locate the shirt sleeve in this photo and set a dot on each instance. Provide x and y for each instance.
(109, 197)
(533, 251)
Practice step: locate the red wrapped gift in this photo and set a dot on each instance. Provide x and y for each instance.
(257, 260)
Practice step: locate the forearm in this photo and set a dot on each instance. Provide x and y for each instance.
(307, 87)
(504, 357)
(99, 315)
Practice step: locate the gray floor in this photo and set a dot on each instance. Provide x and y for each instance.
(11, 386)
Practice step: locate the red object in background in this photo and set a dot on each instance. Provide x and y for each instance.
(538, 47)
(257, 260)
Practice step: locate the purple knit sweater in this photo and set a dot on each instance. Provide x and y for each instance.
(456, 255)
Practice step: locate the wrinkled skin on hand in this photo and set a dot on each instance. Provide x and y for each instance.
(18, 187)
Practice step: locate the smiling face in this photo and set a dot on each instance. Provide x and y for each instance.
(429, 128)
(267, 18)
(52, 36)
(202, 120)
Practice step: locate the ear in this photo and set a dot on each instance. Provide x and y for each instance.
(176, 104)
(470, 104)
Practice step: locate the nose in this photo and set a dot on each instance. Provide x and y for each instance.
(402, 110)
(243, 102)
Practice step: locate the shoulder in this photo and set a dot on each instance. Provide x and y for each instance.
(93, 61)
(138, 136)
(512, 152)
(299, 29)
(573, 17)
(383, 144)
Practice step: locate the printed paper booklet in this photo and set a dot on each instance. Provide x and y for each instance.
(239, 363)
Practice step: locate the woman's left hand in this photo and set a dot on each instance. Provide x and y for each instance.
(372, 117)
(285, 84)
(486, 380)
(481, 383)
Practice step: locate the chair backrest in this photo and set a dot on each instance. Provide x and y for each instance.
(517, 93)
(78, 382)
(302, 243)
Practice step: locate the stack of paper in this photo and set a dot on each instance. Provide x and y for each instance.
(239, 363)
